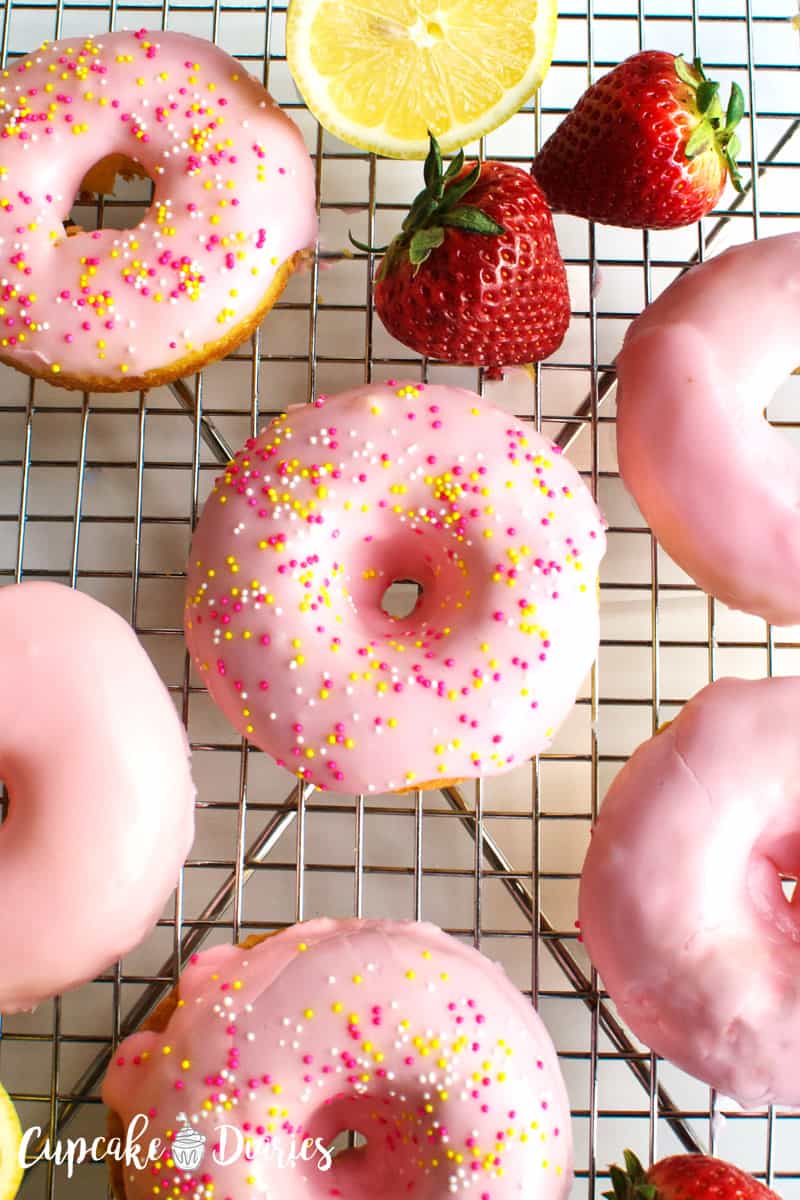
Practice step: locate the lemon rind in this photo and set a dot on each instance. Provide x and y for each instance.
(9, 1121)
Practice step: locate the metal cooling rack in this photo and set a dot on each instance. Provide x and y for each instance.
(102, 492)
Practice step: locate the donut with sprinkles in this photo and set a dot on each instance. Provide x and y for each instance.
(233, 208)
(317, 517)
(390, 1029)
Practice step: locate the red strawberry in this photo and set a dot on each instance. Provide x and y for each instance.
(475, 276)
(647, 146)
(685, 1177)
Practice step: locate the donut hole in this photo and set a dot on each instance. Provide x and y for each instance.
(347, 1139)
(414, 584)
(115, 193)
(781, 412)
(401, 598)
(773, 876)
(368, 1137)
(4, 801)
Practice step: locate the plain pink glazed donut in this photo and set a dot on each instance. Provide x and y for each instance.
(718, 486)
(233, 205)
(101, 801)
(392, 1029)
(318, 515)
(681, 905)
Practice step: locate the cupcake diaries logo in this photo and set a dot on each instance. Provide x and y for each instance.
(188, 1149)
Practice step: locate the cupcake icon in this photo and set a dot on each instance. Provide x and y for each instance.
(188, 1146)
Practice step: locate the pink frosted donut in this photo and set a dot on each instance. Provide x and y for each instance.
(719, 487)
(233, 206)
(328, 506)
(391, 1029)
(681, 905)
(101, 801)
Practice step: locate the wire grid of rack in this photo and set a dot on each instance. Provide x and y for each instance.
(102, 491)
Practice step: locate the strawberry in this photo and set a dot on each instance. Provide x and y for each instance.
(685, 1177)
(475, 276)
(647, 146)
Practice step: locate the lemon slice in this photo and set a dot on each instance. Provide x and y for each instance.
(381, 73)
(10, 1140)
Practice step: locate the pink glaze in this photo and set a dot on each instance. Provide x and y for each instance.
(234, 198)
(101, 809)
(681, 906)
(719, 487)
(316, 517)
(394, 1030)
